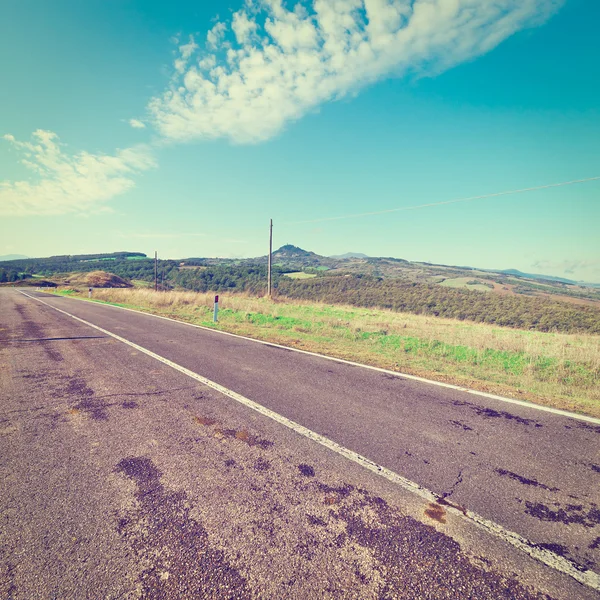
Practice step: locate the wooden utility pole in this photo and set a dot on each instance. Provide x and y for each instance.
(155, 271)
(269, 280)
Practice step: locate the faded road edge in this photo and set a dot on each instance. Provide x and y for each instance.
(558, 563)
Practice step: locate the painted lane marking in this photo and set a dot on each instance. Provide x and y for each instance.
(552, 560)
(548, 409)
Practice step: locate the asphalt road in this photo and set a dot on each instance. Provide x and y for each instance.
(124, 478)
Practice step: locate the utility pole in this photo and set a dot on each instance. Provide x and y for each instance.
(269, 288)
(155, 271)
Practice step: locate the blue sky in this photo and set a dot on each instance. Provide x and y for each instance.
(184, 126)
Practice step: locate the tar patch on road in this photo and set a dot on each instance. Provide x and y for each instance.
(490, 413)
(461, 425)
(588, 427)
(415, 559)
(94, 407)
(174, 548)
(572, 513)
(306, 470)
(525, 480)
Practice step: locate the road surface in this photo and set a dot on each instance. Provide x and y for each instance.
(123, 477)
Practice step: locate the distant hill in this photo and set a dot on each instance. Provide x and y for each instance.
(97, 279)
(518, 273)
(350, 255)
(127, 265)
(7, 257)
(289, 250)
(290, 258)
(73, 258)
(247, 274)
(294, 258)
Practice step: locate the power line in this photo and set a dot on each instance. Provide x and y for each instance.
(391, 210)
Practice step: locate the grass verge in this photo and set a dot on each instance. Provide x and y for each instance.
(558, 370)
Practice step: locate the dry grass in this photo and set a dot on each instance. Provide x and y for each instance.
(561, 370)
(576, 347)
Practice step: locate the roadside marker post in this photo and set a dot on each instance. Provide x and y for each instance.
(90, 293)
(216, 312)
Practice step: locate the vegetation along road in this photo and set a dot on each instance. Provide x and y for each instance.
(145, 458)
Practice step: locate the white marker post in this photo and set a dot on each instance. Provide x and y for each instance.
(90, 293)
(216, 309)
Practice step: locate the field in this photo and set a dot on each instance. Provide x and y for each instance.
(554, 369)
(468, 283)
(301, 275)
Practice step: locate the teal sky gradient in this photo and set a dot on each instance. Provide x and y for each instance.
(525, 113)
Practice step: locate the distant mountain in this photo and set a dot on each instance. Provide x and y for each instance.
(293, 257)
(290, 259)
(518, 273)
(6, 257)
(73, 258)
(290, 256)
(350, 255)
(292, 251)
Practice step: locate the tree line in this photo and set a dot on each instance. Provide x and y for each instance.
(519, 311)
(11, 275)
(522, 312)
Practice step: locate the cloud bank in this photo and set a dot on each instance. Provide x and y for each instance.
(270, 65)
(591, 267)
(77, 183)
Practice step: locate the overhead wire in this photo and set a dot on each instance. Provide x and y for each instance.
(443, 202)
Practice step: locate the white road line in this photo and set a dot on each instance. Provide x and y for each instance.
(556, 562)
(548, 409)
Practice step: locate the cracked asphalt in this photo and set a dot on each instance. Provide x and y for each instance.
(123, 478)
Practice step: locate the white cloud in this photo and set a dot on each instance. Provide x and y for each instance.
(242, 27)
(185, 51)
(66, 184)
(188, 49)
(215, 36)
(570, 268)
(278, 64)
(269, 66)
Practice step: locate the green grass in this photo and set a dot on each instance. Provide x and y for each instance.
(463, 282)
